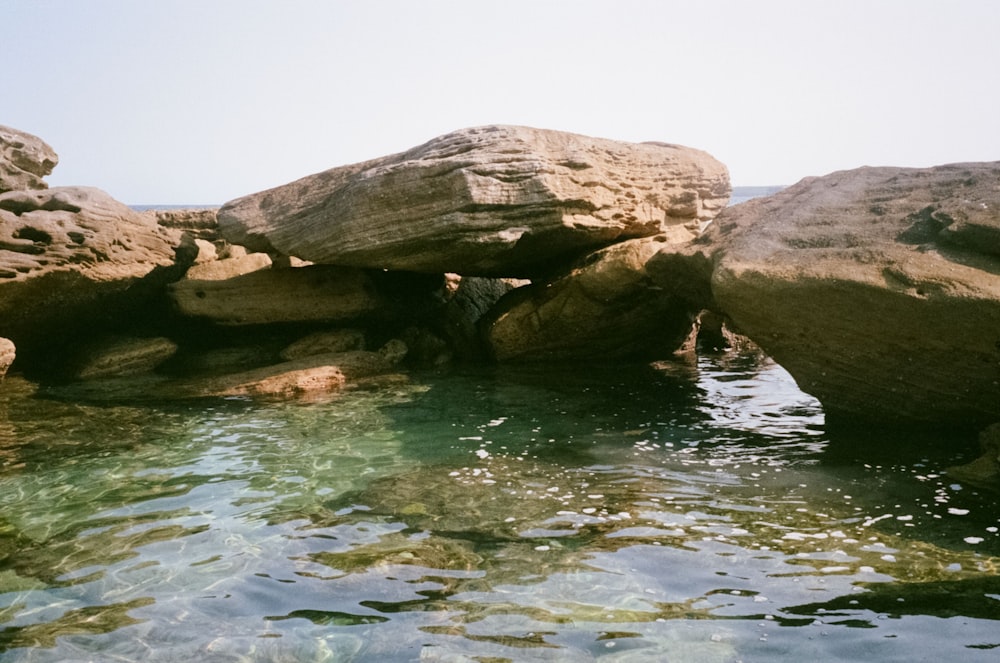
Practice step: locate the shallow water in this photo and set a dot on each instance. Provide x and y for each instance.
(694, 513)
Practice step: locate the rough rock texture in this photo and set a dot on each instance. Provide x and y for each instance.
(309, 375)
(469, 299)
(7, 354)
(490, 201)
(126, 356)
(200, 223)
(24, 160)
(295, 294)
(607, 307)
(877, 288)
(73, 261)
(325, 342)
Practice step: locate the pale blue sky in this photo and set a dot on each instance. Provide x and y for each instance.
(202, 101)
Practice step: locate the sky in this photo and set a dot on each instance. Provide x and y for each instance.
(203, 101)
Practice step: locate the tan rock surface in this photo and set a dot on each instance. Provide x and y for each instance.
(126, 356)
(872, 288)
(73, 259)
(295, 294)
(492, 201)
(7, 355)
(24, 160)
(607, 307)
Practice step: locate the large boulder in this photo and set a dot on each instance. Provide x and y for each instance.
(487, 201)
(877, 288)
(24, 160)
(616, 303)
(75, 262)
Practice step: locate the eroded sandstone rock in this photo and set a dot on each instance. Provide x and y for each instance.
(263, 296)
(877, 288)
(607, 307)
(24, 160)
(123, 357)
(7, 355)
(74, 261)
(491, 201)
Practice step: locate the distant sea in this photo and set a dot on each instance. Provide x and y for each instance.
(741, 194)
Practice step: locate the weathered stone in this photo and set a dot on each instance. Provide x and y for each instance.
(856, 283)
(309, 375)
(608, 307)
(126, 356)
(200, 223)
(236, 265)
(325, 342)
(299, 294)
(24, 160)
(75, 262)
(492, 201)
(984, 470)
(7, 354)
(469, 298)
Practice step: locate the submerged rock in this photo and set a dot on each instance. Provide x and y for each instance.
(491, 201)
(875, 289)
(24, 160)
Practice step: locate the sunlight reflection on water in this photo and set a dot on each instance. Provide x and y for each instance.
(700, 512)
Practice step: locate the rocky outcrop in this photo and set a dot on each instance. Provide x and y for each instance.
(489, 201)
(200, 223)
(125, 357)
(73, 262)
(877, 288)
(606, 307)
(7, 355)
(325, 342)
(24, 160)
(316, 293)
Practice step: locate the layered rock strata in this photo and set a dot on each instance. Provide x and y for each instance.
(487, 201)
(877, 288)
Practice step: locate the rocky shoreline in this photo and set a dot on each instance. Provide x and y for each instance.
(878, 289)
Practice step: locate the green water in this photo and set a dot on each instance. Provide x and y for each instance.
(693, 513)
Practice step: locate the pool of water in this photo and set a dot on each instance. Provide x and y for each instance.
(693, 512)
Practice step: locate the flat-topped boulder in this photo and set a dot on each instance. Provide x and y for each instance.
(24, 160)
(877, 288)
(489, 201)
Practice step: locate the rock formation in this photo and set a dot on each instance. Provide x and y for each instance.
(24, 160)
(489, 201)
(606, 307)
(74, 261)
(7, 354)
(877, 288)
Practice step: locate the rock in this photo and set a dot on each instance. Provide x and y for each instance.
(985, 470)
(310, 375)
(200, 223)
(207, 252)
(7, 354)
(24, 160)
(317, 293)
(469, 299)
(607, 307)
(126, 357)
(237, 264)
(487, 201)
(325, 342)
(75, 263)
(871, 288)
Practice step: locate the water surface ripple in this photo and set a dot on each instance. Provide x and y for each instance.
(696, 512)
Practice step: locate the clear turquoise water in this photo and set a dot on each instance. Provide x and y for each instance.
(699, 512)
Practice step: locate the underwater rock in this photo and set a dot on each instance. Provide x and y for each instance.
(485, 201)
(858, 285)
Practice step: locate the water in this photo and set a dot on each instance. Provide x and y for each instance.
(698, 512)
